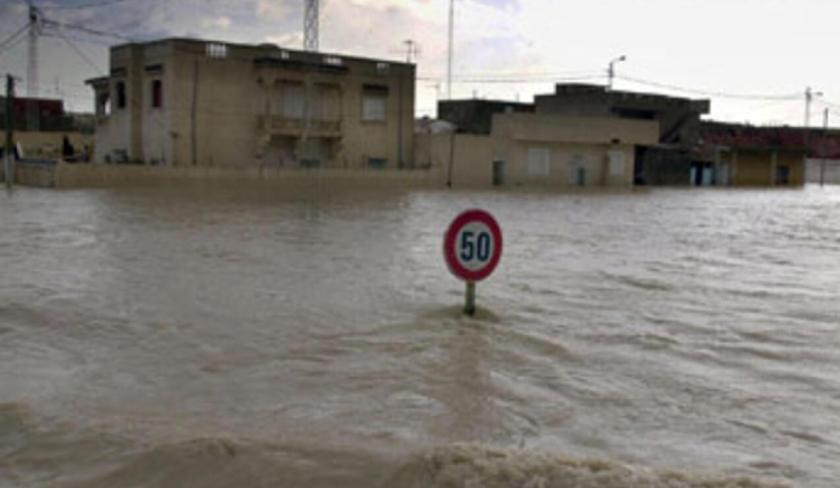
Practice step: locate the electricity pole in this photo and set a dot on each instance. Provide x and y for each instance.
(8, 167)
(32, 54)
(412, 50)
(611, 71)
(825, 134)
(451, 41)
(809, 97)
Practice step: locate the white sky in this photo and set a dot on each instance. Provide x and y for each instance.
(761, 47)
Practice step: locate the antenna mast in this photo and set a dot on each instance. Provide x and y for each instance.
(310, 25)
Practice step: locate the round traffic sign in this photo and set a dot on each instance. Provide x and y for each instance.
(472, 245)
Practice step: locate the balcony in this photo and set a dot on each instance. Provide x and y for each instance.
(284, 126)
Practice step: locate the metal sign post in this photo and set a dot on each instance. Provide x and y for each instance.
(469, 303)
(472, 248)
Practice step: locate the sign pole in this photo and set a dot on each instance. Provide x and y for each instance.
(469, 305)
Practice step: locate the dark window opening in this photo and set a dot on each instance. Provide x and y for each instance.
(157, 94)
(120, 94)
(103, 104)
(377, 163)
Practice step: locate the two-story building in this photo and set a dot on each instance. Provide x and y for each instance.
(184, 102)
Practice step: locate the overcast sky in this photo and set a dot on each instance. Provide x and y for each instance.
(763, 48)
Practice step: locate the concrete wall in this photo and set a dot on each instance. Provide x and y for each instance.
(48, 144)
(830, 171)
(757, 167)
(63, 175)
(582, 130)
(474, 156)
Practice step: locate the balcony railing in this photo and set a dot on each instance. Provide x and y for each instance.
(280, 125)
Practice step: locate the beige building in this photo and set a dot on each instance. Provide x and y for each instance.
(541, 150)
(183, 102)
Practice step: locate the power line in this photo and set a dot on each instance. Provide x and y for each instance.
(78, 51)
(11, 38)
(8, 47)
(741, 96)
(88, 30)
(103, 3)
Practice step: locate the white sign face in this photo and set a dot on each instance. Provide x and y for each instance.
(475, 246)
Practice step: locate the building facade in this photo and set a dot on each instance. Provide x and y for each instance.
(184, 102)
(547, 151)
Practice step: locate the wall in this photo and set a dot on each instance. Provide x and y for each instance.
(472, 161)
(584, 130)
(48, 144)
(110, 176)
(830, 173)
(756, 167)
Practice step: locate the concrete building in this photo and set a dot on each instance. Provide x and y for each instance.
(476, 116)
(743, 155)
(668, 161)
(538, 150)
(184, 102)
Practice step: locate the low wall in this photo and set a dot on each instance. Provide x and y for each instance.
(63, 175)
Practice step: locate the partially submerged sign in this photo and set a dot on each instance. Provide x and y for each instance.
(472, 248)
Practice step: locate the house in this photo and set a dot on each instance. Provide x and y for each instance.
(745, 155)
(669, 159)
(40, 125)
(476, 116)
(185, 102)
(523, 148)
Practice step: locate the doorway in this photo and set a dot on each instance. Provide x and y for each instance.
(498, 173)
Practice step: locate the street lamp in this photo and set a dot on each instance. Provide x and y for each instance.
(611, 70)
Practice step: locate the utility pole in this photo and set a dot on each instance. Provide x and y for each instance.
(825, 135)
(8, 167)
(32, 54)
(451, 41)
(611, 71)
(412, 50)
(809, 97)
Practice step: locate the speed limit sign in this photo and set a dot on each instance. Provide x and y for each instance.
(472, 248)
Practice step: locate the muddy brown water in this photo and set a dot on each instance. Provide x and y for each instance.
(269, 336)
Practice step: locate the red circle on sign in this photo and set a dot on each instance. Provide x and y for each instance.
(450, 249)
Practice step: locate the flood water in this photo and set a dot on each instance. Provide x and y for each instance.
(267, 336)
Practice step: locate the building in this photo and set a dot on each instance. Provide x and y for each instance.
(744, 155)
(476, 116)
(40, 125)
(543, 150)
(668, 161)
(184, 102)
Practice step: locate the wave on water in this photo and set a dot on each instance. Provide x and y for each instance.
(474, 465)
(70, 458)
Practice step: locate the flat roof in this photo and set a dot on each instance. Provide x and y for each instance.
(264, 46)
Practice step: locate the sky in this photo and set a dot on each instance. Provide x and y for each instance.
(753, 58)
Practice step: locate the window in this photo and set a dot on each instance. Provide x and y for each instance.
(157, 94)
(293, 100)
(333, 60)
(120, 94)
(616, 159)
(539, 161)
(374, 103)
(216, 50)
(377, 163)
(103, 104)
